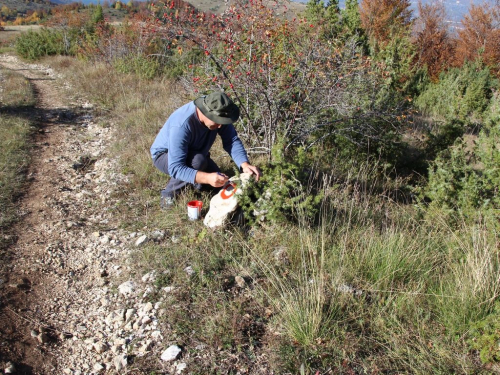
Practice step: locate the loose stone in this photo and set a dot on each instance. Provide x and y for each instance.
(127, 287)
(10, 368)
(240, 281)
(180, 367)
(171, 353)
(141, 240)
(120, 362)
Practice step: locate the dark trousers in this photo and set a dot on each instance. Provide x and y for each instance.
(196, 161)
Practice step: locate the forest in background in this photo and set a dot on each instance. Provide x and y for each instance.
(378, 131)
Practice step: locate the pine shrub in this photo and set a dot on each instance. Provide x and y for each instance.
(35, 45)
(468, 178)
(285, 188)
(461, 94)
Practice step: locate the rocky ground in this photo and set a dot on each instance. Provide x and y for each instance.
(69, 302)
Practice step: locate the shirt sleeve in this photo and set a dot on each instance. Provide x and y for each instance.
(178, 148)
(232, 144)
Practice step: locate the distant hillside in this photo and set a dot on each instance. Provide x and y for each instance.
(203, 5)
(23, 6)
(455, 9)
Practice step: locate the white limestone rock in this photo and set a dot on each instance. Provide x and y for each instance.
(127, 287)
(171, 353)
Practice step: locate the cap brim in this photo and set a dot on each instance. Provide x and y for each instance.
(234, 115)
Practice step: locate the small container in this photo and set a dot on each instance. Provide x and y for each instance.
(194, 210)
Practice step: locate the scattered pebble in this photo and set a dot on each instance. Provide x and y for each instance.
(127, 287)
(171, 353)
(10, 368)
(141, 240)
(240, 281)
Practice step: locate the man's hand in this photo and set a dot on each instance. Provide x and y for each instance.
(248, 168)
(216, 179)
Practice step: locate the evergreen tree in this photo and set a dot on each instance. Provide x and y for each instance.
(327, 17)
(351, 18)
(351, 24)
(333, 18)
(315, 11)
(98, 15)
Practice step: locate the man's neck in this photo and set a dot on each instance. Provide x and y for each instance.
(199, 116)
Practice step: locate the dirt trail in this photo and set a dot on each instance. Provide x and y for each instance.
(27, 287)
(70, 303)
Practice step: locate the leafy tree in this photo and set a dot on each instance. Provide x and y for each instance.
(293, 86)
(384, 20)
(480, 36)
(433, 44)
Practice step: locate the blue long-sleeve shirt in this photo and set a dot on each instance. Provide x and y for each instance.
(183, 133)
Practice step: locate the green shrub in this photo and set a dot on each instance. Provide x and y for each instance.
(285, 187)
(485, 336)
(462, 94)
(34, 45)
(468, 178)
(141, 65)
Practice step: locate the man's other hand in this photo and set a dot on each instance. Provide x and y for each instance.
(252, 169)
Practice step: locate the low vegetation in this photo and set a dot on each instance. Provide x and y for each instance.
(16, 99)
(379, 249)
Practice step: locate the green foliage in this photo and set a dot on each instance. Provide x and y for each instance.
(144, 67)
(315, 10)
(462, 93)
(382, 144)
(98, 15)
(452, 181)
(485, 336)
(34, 45)
(351, 17)
(326, 17)
(468, 178)
(397, 63)
(444, 137)
(284, 189)
(15, 145)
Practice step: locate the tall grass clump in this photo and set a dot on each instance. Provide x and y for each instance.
(301, 294)
(16, 97)
(471, 277)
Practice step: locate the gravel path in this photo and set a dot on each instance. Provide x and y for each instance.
(69, 304)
